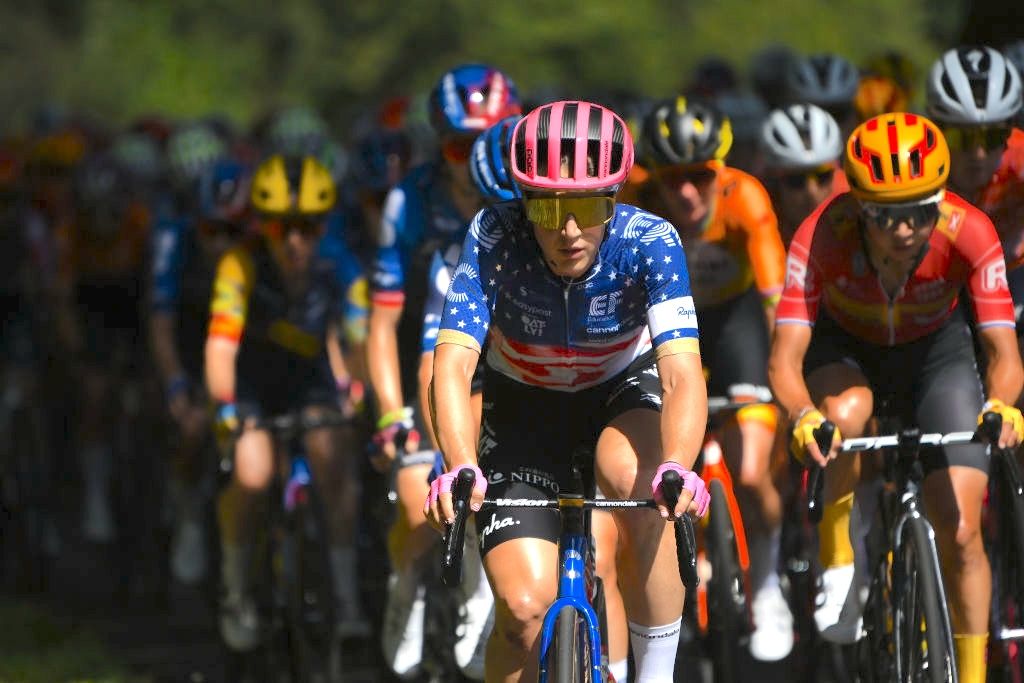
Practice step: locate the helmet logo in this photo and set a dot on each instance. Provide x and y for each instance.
(529, 160)
(974, 58)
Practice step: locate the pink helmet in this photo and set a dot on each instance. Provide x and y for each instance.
(593, 139)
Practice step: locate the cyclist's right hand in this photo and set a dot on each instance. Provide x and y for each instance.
(699, 499)
(394, 430)
(804, 444)
(438, 507)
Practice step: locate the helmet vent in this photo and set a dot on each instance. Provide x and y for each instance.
(543, 128)
(915, 163)
(876, 167)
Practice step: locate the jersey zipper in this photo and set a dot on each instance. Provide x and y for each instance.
(568, 322)
(891, 305)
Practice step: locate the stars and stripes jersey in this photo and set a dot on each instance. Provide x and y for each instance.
(828, 267)
(549, 332)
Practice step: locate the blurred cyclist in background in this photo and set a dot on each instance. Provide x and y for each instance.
(425, 218)
(275, 309)
(800, 150)
(827, 80)
(736, 264)
(185, 251)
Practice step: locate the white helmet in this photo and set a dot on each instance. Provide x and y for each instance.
(972, 86)
(826, 80)
(800, 136)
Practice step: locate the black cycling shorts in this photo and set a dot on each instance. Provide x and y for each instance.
(528, 435)
(931, 383)
(279, 383)
(734, 346)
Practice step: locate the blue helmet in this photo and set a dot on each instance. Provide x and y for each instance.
(223, 192)
(472, 97)
(381, 157)
(489, 161)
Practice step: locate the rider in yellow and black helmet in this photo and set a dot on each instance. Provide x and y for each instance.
(293, 186)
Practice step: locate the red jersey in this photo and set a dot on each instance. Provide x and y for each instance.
(1003, 200)
(828, 266)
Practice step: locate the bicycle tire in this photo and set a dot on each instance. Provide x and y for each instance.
(925, 655)
(316, 652)
(727, 602)
(1006, 553)
(569, 653)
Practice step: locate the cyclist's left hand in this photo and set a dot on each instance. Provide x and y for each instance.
(693, 498)
(438, 507)
(1013, 422)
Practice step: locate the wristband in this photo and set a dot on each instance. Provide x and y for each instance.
(395, 416)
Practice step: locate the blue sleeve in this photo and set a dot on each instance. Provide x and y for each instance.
(387, 276)
(168, 246)
(466, 314)
(671, 316)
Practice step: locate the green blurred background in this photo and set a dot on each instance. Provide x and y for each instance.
(117, 58)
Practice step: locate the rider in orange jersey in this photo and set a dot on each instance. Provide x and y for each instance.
(735, 257)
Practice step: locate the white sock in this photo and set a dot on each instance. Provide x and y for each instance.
(619, 670)
(654, 651)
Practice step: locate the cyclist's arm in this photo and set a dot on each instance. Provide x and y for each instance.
(1004, 375)
(220, 356)
(452, 411)
(684, 409)
(166, 264)
(786, 368)
(386, 307)
(228, 308)
(382, 357)
(163, 345)
(764, 244)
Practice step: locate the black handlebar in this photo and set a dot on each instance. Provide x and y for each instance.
(823, 435)
(686, 543)
(455, 533)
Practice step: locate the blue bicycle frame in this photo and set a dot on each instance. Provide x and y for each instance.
(574, 568)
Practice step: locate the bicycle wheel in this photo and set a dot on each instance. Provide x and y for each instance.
(921, 632)
(316, 652)
(1005, 546)
(727, 600)
(569, 653)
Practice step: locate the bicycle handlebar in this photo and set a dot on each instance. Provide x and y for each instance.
(462, 489)
(823, 434)
(298, 422)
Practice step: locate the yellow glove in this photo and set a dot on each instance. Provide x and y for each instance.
(803, 433)
(1010, 415)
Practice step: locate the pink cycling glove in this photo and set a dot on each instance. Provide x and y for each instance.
(691, 482)
(443, 484)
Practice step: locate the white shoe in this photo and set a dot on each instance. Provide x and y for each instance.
(239, 623)
(772, 638)
(188, 552)
(97, 517)
(839, 604)
(476, 620)
(402, 639)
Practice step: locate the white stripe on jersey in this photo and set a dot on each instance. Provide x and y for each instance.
(674, 314)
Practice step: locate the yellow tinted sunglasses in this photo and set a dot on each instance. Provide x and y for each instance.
(551, 212)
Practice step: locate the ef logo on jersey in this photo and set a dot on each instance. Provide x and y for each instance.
(605, 304)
